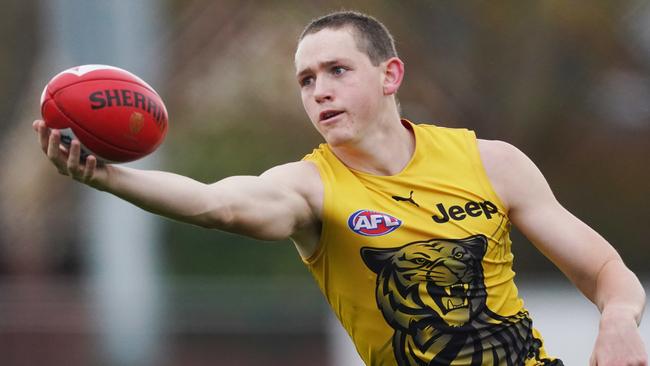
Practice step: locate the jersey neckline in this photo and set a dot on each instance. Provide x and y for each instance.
(416, 137)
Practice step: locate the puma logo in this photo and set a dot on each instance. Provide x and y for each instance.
(409, 199)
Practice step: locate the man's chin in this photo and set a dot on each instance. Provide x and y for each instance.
(338, 138)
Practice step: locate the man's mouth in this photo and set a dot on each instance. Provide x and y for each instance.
(326, 115)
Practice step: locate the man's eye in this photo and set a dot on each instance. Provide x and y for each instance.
(306, 81)
(338, 70)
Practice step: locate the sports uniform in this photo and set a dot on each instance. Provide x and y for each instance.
(418, 266)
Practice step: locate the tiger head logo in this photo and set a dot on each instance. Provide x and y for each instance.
(442, 276)
(432, 293)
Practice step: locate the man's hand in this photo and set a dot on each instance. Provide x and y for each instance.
(69, 162)
(619, 342)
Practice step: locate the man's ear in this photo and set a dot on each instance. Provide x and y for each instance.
(393, 75)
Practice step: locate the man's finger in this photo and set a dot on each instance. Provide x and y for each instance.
(54, 153)
(73, 158)
(43, 135)
(53, 146)
(89, 168)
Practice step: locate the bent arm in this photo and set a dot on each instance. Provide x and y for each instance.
(584, 256)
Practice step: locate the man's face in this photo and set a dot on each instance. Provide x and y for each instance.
(340, 88)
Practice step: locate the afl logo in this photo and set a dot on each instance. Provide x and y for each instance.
(372, 223)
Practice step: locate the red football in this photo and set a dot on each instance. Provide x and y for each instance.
(114, 114)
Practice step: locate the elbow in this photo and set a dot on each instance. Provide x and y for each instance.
(221, 217)
(214, 214)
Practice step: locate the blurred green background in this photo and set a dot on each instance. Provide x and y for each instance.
(568, 82)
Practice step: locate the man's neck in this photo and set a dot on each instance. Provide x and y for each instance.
(385, 151)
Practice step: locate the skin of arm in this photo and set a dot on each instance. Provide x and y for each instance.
(584, 256)
(283, 202)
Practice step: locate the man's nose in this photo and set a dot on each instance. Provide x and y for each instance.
(322, 91)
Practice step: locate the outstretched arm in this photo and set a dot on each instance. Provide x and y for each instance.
(584, 256)
(269, 207)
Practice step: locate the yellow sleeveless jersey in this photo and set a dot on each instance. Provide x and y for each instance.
(418, 266)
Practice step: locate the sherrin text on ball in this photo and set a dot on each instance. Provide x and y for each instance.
(115, 115)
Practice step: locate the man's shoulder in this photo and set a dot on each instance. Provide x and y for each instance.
(502, 155)
(507, 167)
(496, 149)
(295, 171)
(300, 176)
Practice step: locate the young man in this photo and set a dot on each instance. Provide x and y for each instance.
(404, 227)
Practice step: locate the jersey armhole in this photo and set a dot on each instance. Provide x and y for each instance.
(480, 171)
(325, 214)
